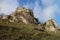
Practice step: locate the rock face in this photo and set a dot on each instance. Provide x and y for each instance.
(26, 16)
(5, 17)
(51, 25)
(23, 15)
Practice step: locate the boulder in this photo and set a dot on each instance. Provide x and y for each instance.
(5, 17)
(50, 25)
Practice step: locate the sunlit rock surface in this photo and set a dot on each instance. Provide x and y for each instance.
(22, 15)
(51, 25)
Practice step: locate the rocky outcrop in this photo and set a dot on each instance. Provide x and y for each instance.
(5, 17)
(51, 25)
(26, 16)
(22, 15)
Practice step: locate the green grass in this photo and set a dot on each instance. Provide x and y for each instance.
(21, 31)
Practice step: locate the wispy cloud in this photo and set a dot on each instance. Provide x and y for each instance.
(48, 2)
(29, 5)
(46, 13)
(8, 6)
(49, 12)
(37, 10)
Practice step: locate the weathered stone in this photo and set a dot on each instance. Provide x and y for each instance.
(51, 25)
(5, 17)
(24, 15)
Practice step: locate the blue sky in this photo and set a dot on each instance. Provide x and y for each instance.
(43, 9)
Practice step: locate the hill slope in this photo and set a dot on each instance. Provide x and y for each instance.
(22, 25)
(25, 32)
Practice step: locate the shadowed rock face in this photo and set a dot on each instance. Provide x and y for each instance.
(23, 15)
(51, 25)
(5, 17)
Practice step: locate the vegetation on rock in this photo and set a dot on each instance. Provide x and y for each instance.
(22, 25)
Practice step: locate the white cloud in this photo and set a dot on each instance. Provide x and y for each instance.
(48, 2)
(46, 13)
(49, 12)
(8, 6)
(28, 5)
(37, 10)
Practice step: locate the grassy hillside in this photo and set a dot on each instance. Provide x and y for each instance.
(20, 31)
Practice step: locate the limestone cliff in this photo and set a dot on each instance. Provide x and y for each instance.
(51, 25)
(26, 16)
(22, 15)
